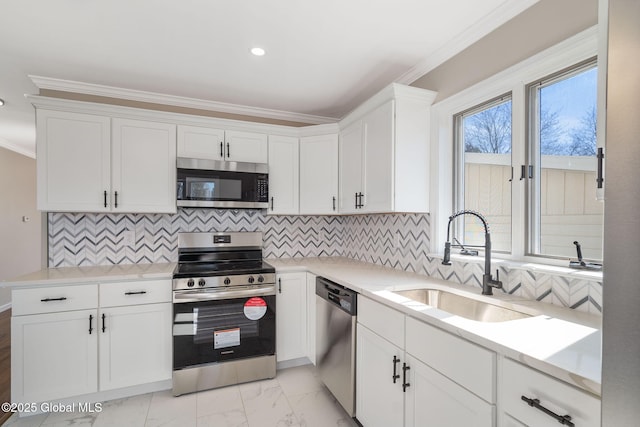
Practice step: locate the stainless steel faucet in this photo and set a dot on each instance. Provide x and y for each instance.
(488, 282)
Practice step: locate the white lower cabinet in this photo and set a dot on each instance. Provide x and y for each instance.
(434, 400)
(311, 317)
(53, 355)
(135, 345)
(291, 317)
(395, 387)
(379, 396)
(72, 352)
(531, 398)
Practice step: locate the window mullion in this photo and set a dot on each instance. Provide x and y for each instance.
(518, 157)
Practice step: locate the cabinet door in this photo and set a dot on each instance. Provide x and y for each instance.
(319, 175)
(433, 399)
(73, 167)
(144, 166)
(311, 317)
(200, 142)
(291, 318)
(245, 147)
(351, 159)
(378, 159)
(135, 345)
(283, 175)
(54, 355)
(379, 401)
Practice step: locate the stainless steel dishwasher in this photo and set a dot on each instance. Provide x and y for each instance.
(336, 340)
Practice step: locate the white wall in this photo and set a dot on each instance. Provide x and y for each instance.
(21, 243)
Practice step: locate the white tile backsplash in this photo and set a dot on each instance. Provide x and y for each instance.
(400, 241)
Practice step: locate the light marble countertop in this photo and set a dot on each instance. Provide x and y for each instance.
(559, 341)
(562, 342)
(102, 274)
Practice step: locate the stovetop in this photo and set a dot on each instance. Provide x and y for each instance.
(208, 269)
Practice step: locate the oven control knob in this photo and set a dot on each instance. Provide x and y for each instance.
(227, 281)
(190, 283)
(260, 279)
(251, 279)
(201, 282)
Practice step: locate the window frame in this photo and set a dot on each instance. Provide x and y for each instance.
(458, 156)
(515, 79)
(533, 190)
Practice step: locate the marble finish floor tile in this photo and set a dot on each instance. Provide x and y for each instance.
(296, 397)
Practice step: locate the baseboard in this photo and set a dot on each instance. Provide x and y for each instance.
(5, 307)
(292, 363)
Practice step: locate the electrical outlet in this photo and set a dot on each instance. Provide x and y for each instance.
(129, 238)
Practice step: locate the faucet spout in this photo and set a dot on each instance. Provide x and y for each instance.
(488, 282)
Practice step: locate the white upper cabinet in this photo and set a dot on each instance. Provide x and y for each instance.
(351, 160)
(201, 142)
(144, 166)
(73, 167)
(245, 147)
(378, 169)
(390, 133)
(283, 175)
(92, 163)
(319, 175)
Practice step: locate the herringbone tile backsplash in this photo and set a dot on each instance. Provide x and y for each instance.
(399, 241)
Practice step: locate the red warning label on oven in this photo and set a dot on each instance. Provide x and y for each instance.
(255, 308)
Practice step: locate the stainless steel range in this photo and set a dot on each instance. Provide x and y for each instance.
(224, 312)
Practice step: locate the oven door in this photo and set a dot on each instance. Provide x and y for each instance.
(211, 331)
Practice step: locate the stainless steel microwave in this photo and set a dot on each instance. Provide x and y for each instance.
(220, 184)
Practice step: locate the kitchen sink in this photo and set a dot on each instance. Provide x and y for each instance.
(462, 306)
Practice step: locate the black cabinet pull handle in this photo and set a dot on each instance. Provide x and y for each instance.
(405, 384)
(104, 322)
(116, 199)
(356, 205)
(600, 178)
(535, 403)
(90, 323)
(54, 299)
(136, 293)
(221, 149)
(279, 286)
(334, 203)
(523, 169)
(511, 179)
(395, 374)
(105, 198)
(271, 202)
(361, 205)
(228, 151)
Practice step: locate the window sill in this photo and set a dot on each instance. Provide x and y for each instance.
(529, 266)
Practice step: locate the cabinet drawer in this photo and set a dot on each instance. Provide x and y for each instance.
(384, 321)
(134, 293)
(469, 365)
(557, 396)
(53, 299)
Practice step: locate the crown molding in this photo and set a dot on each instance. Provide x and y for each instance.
(18, 149)
(484, 26)
(51, 83)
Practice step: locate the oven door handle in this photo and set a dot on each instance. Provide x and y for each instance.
(204, 295)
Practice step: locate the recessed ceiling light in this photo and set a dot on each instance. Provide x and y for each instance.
(257, 51)
(1, 102)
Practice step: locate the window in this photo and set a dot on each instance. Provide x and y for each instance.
(544, 133)
(562, 150)
(483, 136)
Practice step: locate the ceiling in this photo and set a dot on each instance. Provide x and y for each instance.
(323, 57)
